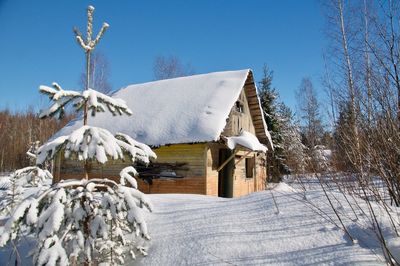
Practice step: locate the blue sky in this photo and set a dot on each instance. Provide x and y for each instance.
(38, 47)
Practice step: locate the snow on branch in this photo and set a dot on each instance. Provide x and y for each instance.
(128, 174)
(57, 93)
(31, 178)
(32, 175)
(48, 150)
(137, 150)
(90, 44)
(60, 97)
(59, 218)
(96, 101)
(96, 144)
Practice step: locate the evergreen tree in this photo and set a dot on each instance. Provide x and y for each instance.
(311, 122)
(82, 220)
(343, 140)
(293, 148)
(28, 178)
(268, 97)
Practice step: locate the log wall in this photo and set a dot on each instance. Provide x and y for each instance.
(193, 155)
(194, 181)
(241, 184)
(239, 120)
(212, 166)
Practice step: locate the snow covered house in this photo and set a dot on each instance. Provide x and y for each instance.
(206, 130)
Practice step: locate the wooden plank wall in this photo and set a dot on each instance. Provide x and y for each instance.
(192, 154)
(187, 185)
(241, 185)
(237, 120)
(194, 181)
(212, 166)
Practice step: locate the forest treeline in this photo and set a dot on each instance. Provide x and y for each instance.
(18, 130)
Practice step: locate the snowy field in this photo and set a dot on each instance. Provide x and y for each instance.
(253, 230)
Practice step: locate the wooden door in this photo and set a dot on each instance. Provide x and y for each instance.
(225, 175)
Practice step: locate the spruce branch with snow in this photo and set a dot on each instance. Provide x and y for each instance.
(11, 195)
(14, 187)
(269, 103)
(82, 219)
(93, 100)
(32, 151)
(97, 144)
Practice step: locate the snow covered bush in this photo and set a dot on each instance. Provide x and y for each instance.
(83, 220)
(17, 185)
(80, 220)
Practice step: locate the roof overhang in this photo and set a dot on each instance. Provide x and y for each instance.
(257, 114)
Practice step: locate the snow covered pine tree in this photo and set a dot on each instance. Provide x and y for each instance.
(87, 220)
(28, 178)
(13, 191)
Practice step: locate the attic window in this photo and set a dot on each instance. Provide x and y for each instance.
(239, 107)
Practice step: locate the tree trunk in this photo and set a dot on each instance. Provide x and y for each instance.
(351, 87)
(85, 107)
(367, 66)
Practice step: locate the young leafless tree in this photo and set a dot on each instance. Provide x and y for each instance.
(170, 67)
(99, 73)
(364, 70)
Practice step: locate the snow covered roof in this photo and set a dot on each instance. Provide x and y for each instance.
(180, 110)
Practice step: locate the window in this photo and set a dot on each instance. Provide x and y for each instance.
(239, 107)
(250, 163)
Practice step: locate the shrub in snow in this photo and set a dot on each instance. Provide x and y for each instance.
(83, 219)
(18, 183)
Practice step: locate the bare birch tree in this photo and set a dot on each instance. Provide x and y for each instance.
(366, 75)
(99, 73)
(170, 67)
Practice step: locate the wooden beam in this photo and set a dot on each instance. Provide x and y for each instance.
(244, 156)
(230, 158)
(226, 161)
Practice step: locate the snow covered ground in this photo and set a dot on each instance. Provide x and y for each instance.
(202, 230)
(253, 230)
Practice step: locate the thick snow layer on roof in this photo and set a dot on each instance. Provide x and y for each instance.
(247, 140)
(181, 110)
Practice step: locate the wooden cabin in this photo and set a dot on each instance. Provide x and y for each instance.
(190, 123)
